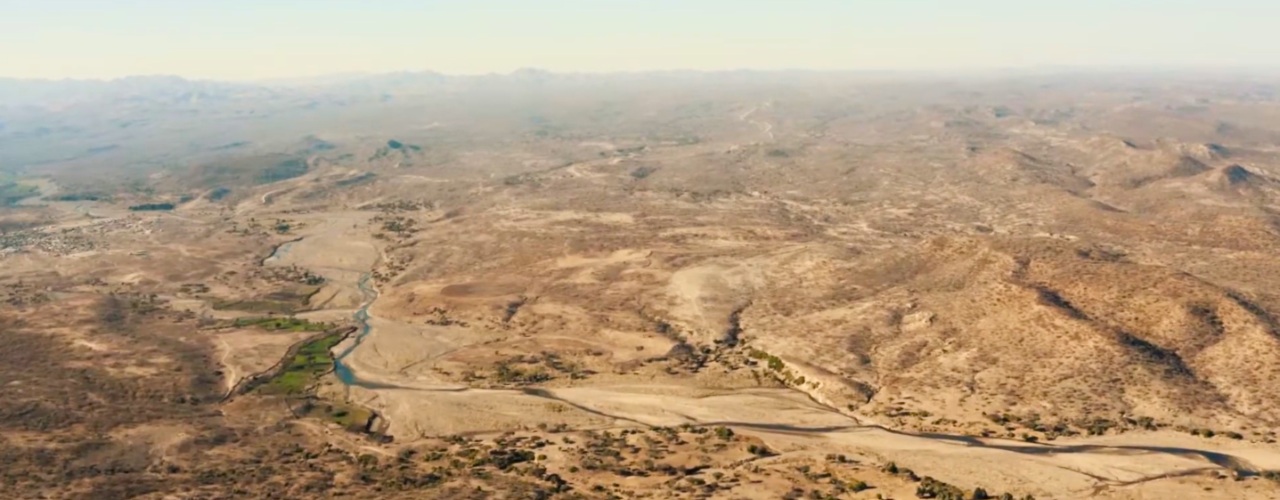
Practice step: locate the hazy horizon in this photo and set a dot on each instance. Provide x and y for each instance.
(924, 73)
(237, 40)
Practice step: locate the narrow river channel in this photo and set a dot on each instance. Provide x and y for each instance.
(361, 318)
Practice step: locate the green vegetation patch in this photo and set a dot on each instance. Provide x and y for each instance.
(284, 323)
(359, 179)
(80, 196)
(642, 172)
(11, 193)
(308, 364)
(286, 169)
(298, 374)
(218, 193)
(256, 306)
(350, 417)
(245, 170)
(147, 207)
(773, 362)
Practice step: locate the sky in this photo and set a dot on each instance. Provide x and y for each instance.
(271, 39)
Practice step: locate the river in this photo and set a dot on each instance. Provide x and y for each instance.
(361, 318)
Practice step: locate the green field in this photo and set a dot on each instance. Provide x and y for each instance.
(312, 361)
(284, 323)
(298, 377)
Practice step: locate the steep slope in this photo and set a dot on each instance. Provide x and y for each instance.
(970, 327)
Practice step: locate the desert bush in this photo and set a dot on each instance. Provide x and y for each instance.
(642, 172)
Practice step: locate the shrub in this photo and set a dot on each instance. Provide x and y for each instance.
(146, 207)
(642, 172)
(933, 488)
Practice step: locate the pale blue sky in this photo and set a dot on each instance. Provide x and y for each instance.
(258, 39)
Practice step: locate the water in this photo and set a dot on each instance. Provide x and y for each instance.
(361, 317)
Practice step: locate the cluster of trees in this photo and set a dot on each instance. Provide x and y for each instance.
(78, 197)
(151, 207)
(933, 488)
(1210, 433)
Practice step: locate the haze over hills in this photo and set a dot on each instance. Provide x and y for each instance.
(653, 285)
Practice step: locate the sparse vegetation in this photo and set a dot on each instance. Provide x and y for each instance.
(611, 254)
(642, 172)
(148, 207)
(283, 323)
(217, 194)
(258, 306)
(79, 196)
(11, 193)
(287, 169)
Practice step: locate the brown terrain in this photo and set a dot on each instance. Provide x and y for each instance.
(657, 286)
